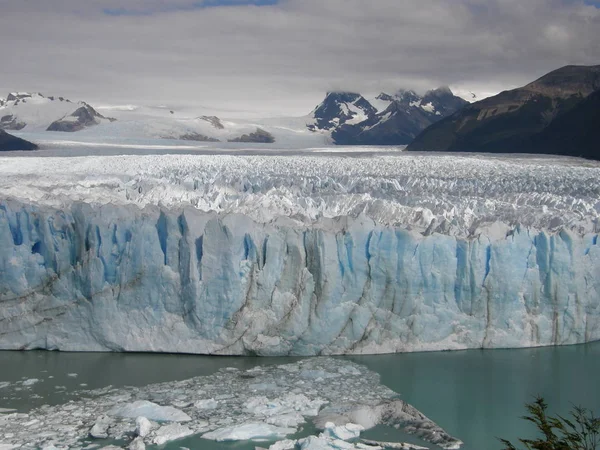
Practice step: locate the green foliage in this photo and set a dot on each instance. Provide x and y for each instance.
(581, 432)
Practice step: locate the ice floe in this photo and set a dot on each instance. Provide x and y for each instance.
(151, 411)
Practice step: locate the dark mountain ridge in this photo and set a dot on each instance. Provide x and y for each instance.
(522, 120)
(8, 143)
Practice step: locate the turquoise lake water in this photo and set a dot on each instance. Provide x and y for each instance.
(475, 395)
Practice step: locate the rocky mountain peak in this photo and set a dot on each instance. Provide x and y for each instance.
(339, 108)
(214, 121)
(385, 97)
(395, 120)
(83, 117)
(14, 96)
(567, 81)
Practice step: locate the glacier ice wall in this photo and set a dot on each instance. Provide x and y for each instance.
(119, 277)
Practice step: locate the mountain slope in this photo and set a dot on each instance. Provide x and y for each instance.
(386, 119)
(575, 133)
(37, 112)
(83, 117)
(515, 121)
(8, 142)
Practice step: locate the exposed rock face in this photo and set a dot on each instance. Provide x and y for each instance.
(193, 136)
(83, 117)
(554, 114)
(214, 121)
(353, 120)
(259, 136)
(10, 122)
(9, 142)
(15, 96)
(574, 133)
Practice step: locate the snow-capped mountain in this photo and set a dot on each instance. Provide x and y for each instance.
(36, 112)
(384, 120)
(342, 118)
(341, 108)
(200, 125)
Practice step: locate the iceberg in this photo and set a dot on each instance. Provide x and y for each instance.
(248, 431)
(297, 256)
(171, 432)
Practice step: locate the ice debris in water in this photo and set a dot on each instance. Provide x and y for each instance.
(151, 411)
(342, 400)
(171, 432)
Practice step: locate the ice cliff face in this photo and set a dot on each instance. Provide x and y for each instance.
(89, 276)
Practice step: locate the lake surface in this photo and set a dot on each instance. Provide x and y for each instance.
(476, 395)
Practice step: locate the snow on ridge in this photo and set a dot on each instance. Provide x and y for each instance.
(428, 107)
(117, 107)
(457, 195)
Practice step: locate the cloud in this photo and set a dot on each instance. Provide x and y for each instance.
(151, 8)
(267, 57)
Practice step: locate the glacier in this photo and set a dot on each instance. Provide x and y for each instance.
(311, 255)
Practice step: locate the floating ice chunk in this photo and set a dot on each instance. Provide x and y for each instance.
(265, 387)
(137, 444)
(143, 426)
(349, 370)
(286, 420)
(151, 411)
(210, 403)
(317, 375)
(258, 405)
(100, 428)
(291, 403)
(286, 444)
(323, 443)
(6, 410)
(343, 432)
(171, 432)
(72, 375)
(248, 431)
(4, 384)
(393, 445)
(30, 382)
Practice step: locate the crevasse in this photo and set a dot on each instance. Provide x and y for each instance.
(90, 277)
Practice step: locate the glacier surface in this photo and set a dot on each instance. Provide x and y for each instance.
(297, 255)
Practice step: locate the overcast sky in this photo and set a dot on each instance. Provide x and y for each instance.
(279, 57)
